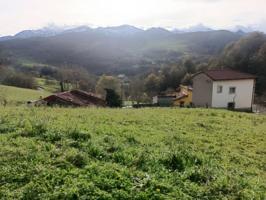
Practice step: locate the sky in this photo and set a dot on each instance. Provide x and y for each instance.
(17, 15)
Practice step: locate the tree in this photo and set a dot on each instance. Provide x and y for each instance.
(171, 76)
(137, 90)
(248, 55)
(152, 84)
(187, 80)
(4, 71)
(113, 99)
(189, 65)
(239, 54)
(108, 82)
(1, 58)
(19, 80)
(4, 58)
(48, 71)
(75, 77)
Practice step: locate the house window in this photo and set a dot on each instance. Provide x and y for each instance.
(219, 89)
(232, 90)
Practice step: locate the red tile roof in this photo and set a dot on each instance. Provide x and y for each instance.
(75, 98)
(227, 74)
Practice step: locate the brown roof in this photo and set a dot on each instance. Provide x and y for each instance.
(181, 96)
(227, 74)
(75, 98)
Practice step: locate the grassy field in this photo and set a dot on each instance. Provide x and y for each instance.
(58, 153)
(18, 96)
(48, 85)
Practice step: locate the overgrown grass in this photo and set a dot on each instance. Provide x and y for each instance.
(58, 153)
(18, 96)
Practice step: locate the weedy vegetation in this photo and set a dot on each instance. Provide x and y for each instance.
(57, 153)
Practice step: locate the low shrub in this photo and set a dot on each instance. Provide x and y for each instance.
(79, 135)
(77, 159)
(181, 160)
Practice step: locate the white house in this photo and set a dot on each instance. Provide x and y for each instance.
(223, 88)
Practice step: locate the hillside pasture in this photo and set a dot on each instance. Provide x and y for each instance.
(19, 96)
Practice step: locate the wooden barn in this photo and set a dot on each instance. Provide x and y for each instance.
(75, 98)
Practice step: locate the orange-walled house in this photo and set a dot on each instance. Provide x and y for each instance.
(184, 96)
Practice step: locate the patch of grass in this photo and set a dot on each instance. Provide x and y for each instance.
(48, 85)
(181, 160)
(79, 135)
(57, 153)
(18, 96)
(76, 158)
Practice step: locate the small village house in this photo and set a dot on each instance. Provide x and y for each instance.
(181, 97)
(184, 96)
(223, 88)
(74, 98)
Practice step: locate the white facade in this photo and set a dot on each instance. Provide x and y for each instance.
(155, 100)
(217, 94)
(242, 96)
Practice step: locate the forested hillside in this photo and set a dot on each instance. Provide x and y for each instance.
(248, 55)
(116, 49)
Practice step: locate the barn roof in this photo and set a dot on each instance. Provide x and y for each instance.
(226, 74)
(76, 98)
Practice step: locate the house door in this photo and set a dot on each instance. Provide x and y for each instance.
(231, 106)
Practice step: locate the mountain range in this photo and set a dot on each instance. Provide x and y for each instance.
(52, 30)
(109, 49)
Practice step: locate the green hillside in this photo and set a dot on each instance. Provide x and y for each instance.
(102, 52)
(131, 154)
(17, 96)
(48, 85)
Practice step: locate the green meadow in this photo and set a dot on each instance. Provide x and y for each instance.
(57, 153)
(20, 96)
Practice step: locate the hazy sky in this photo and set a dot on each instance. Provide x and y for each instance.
(17, 15)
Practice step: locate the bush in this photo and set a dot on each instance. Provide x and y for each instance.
(20, 80)
(113, 99)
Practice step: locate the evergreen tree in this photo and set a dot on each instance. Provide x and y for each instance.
(113, 99)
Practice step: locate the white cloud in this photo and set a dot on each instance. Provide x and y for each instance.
(16, 15)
